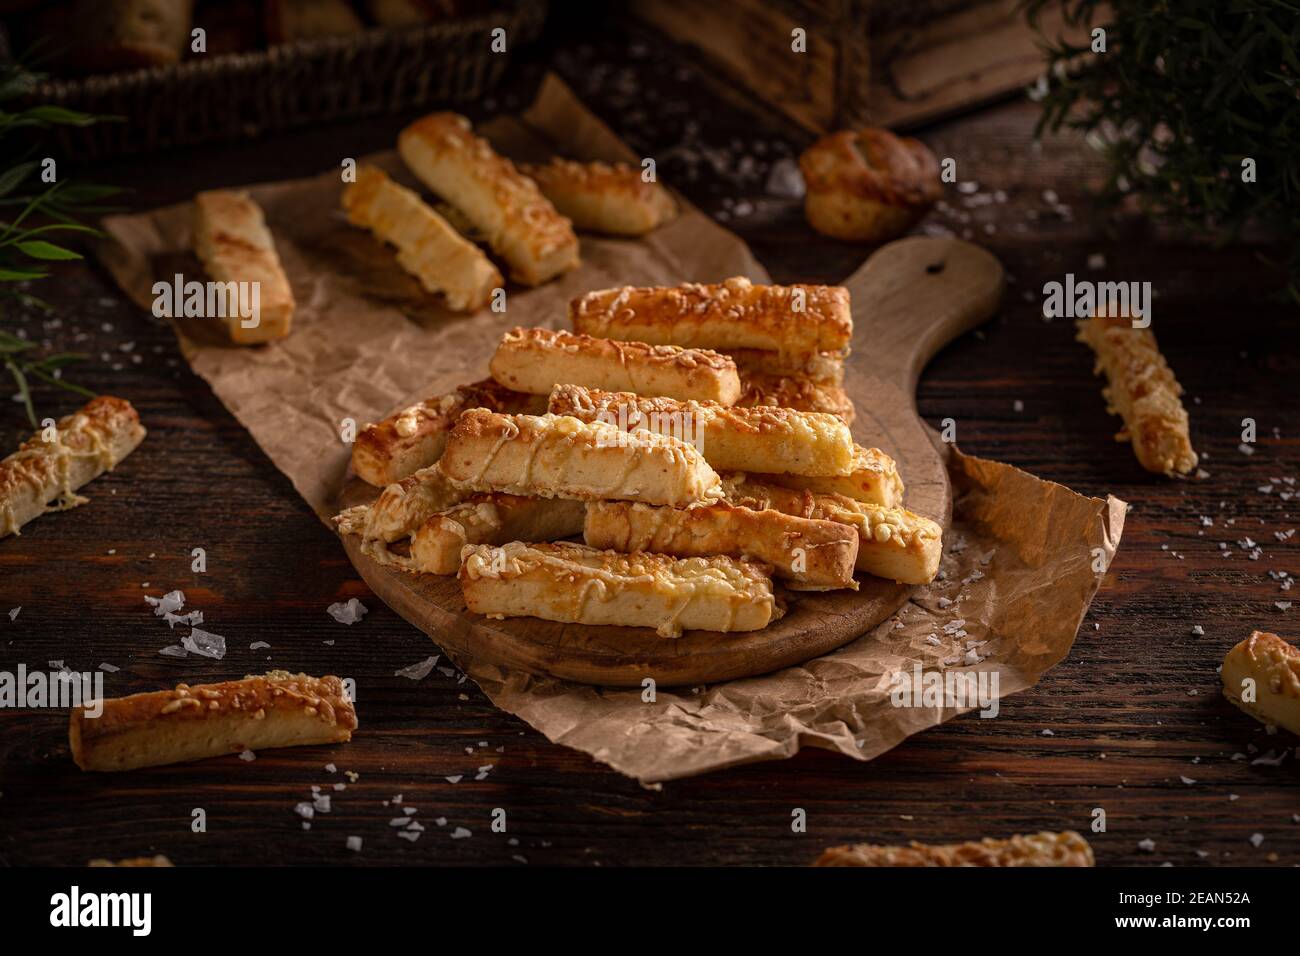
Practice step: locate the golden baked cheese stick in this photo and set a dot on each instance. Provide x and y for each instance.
(277, 709)
(398, 513)
(233, 243)
(796, 393)
(874, 479)
(810, 555)
(1066, 849)
(43, 476)
(519, 222)
(735, 314)
(816, 368)
(574, 584)
(413, 438)
(491, 518)
(1142, 390)
(893, 543)
(445, 262)
(603, 197)
(1261, 675)
(732, 439)
(533, 360)
(558, 456)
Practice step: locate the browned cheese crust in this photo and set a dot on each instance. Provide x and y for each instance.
(868, 184)
(574, 584)
(277, 709)
(874, 479)
(797, 393)
(234, 244)
(893, 543)
(603, 197)
(735, 314)
(1036, 849)
(519, 222)
(534, 360)
(414, 438)
(811, 555)
(731, 439)
(1267, 668)
(43, 476)
(556, 456)
(1142, 390)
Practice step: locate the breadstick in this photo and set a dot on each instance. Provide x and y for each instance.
(574, 584)
(732, 439)
(811, 555)
(874, 479)
(397, 514)
(892, 543)
(1142, 390)
(277, 709)
(533, 360)
(554, 456)
(234, 245)
(735, 314)
(600, 197)
(519, 222)
(1036, 849)
(413, 438)
(85, 445)
(1261, 675)
(427, 246)
(796, 393)
(817, 368)
(491, 519)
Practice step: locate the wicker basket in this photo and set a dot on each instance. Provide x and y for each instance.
(242, 95)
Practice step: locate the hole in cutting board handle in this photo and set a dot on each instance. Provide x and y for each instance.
(935, 268)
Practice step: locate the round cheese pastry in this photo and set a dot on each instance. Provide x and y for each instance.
(868, 184)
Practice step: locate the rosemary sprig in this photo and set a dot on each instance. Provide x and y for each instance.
(32, 235)
(16, 354)
(1184, 98)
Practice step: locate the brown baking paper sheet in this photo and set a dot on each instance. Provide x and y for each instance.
(1020, 560)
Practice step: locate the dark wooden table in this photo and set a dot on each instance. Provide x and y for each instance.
(1132, 722)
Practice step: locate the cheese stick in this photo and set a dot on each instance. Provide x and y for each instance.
(234, 245)
(1142, 390)
(1261, 675)
(799, 394)
(810, 555)
(134, 861)
(599, 197)
(574, 584)
(735, 314)
(413, 438)
(491, 518)
(427, 246)
(874, 479)
(519, 222)
(817, 368)
(398, 513)
(732, 439)
(553, 456)
(533, 360)
(43, 476)
(892, 543)
(1066, 848)
(277, 709)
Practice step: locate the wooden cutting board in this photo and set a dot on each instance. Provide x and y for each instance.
(911, 298)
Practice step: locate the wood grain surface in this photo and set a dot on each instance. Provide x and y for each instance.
(910, 299)
(1132, 722)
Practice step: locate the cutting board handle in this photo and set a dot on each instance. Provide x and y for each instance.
(914, 296)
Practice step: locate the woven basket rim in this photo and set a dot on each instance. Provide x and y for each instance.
(526, 14)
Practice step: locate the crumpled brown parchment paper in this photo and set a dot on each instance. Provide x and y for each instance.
(1021, 563)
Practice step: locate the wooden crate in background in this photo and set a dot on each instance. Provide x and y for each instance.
(882, 63)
